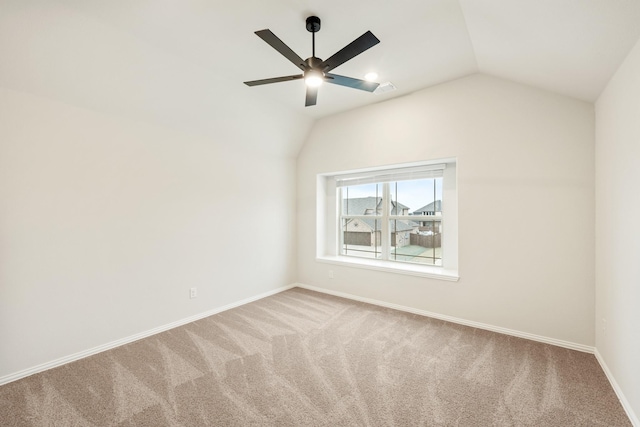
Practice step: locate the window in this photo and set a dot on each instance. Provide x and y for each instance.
(381, 220)
(401, 218)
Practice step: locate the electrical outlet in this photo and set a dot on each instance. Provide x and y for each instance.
(193, 292)
(330, 274)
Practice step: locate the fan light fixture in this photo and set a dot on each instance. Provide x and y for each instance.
(313, 78)
(371, 77)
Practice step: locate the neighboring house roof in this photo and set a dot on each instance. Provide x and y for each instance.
(403, 225)
(402, 207)
(429, 208)
(360, 205)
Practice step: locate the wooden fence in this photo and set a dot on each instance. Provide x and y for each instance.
(433, 241)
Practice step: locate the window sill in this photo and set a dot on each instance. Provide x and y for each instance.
(392, 267)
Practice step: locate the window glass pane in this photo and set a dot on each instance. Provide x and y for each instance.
(411, 242)
(361, 237)
(362, 199)
(416, 197)
(419, 240)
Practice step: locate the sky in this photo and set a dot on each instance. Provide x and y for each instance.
(414, 193)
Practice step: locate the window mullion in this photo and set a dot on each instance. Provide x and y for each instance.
(341, 222)
(384, 227)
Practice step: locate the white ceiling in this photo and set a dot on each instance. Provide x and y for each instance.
(185, 61)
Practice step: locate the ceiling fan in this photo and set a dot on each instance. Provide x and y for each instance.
(315, 70)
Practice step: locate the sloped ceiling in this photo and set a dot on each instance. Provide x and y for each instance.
(183, 62)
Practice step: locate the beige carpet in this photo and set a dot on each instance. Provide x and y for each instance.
(302, 358)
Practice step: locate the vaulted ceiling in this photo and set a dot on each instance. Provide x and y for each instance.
(185, 61)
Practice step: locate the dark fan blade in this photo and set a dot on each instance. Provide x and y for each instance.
(351, 82)
(273, 80)
(355, 48)
(279, 45)
(312, 96)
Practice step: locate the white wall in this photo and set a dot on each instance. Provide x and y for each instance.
(106, 223)
(130, 171)
(618, 227)
(525, 193)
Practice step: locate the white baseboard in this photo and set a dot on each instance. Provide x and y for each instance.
(621, 397)
(95, 350)
(485, 326)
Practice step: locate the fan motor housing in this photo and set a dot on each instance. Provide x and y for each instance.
(313, 62)
(313, 24)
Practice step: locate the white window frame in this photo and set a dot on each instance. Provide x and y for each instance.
(329, 213)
